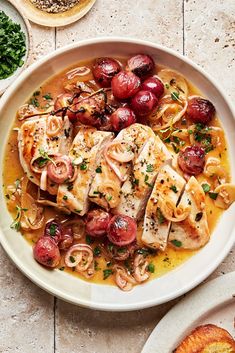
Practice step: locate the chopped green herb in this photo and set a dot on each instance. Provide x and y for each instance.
(109, 198)
(107, 272)
(36, 93)
(175, 96)
(34, 102)
(62, 268)
(70, 187)
(146, 181)
(52, 229)
(83, 166)
(198, 216)
(65, 197)
(160, 217)
(97, 251)
(151, 267)
(174, 188)
(175, 148)
(121, 250)
(190, 132)
(16, 223)
(45, 157)
(206, 187)
(98, 169)
(48, 96)
(89, 239)
(149, 168)
(12, 46)
(96, 266)
(78, 211)
(136, 182)
(213, 195)
(176, 243)
(72, 259)
(167, 86)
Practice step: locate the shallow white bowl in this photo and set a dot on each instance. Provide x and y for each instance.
(70, 288)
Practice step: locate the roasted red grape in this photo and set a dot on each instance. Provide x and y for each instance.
(65, 100)
(154, 85)
(192, 160)
(104, 70)
(53, 229)
(97, 222)
(46, 252)
(89, 110)
(122, 118)
(200, 110)
(141, 65)
(122, 230)
(143, 103)
(125, 85)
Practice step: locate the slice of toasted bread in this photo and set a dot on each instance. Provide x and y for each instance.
(207, 339)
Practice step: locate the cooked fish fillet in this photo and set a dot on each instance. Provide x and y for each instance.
(166, 192)
(106, 186)
(42, 136)
(85, 151)
(136, 190)
(207, 339)
(193, 232)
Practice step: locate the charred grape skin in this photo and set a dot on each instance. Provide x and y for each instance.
(143, 103)
(122, 230)
(46, 252)
(97, 222)
(104, 69)
(90, 110)
(122, 118)
(200, 110)
(125, 85)
(191, 160)
(154, 85)
(65, 100)
(53, 230)
(141, 65)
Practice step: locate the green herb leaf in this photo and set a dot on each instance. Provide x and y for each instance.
(176, 243)
(160, 217)
(151, 267)
(48, 96)
(149, 168)
(107, 272)
(52, 229)
(72, 259)
(65, 197)
(213, 195)
(97, 251)
(206, 187)
(98, 169)
(174, 188)
(89, 239)
(175, 96)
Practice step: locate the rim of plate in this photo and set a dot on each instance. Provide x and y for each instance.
(92, 304)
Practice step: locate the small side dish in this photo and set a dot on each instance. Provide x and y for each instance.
(12, 46)
(207, 339)
(117, 170)
(54, 6)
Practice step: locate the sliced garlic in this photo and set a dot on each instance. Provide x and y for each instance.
(226, 195)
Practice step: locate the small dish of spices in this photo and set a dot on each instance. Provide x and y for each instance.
(55, 13)
(15, 43)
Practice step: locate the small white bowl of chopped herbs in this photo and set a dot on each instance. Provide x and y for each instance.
(15, 43)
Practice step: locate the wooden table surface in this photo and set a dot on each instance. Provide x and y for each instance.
(32, 321)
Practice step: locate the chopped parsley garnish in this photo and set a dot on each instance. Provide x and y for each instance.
(175, 96)
(149, 168)
(213, 195)
(198, 216)
(109, 198)
(47, 96)
(97, 251)
(151, 267)
(161, 219)
(89, 239)
(72, 259)
(34, 101)
(176, 243)
(83, 166)
(52, 229)
(12, 46)
(65, 197)
(98, 169)
(45, 158)
(206, 187)
(174, 188)
(167, 86)
(146, 181)
(96, 266)
(62, 268)
(70, 187)
(107, 272)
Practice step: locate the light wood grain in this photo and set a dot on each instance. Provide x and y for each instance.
(205, 31)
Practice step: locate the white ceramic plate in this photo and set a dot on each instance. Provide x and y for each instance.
(16, 15)
(55, 19)
(70, 288)
(211, 303)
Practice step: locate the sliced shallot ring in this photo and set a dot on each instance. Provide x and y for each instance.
(43, 180)
(115, 151)
(173, 213)
(77, 261)
(60, 170)
(54, 125)
(179, 84)
(140, 269)
(226, 195)
(123, 280)
(78, 71)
